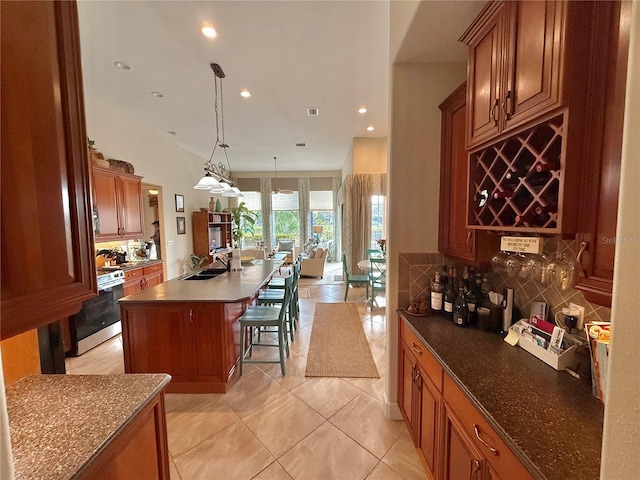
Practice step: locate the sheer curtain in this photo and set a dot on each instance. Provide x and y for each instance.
(336, 187)
(265, 200)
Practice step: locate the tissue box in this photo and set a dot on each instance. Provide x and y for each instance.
(557, 361)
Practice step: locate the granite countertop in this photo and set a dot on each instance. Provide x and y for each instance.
(60, 423)
(234, 286)
(551, 421)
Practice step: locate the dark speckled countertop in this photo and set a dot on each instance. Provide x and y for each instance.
(60, 423)
(550, 420)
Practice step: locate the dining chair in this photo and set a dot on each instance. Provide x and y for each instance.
(377, 277)
(263, 316)
(352, 279)
(374, 252)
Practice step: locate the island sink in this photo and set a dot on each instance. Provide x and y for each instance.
(206, 274)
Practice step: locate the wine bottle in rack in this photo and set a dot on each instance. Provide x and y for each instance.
(547, 167)
(503, 194)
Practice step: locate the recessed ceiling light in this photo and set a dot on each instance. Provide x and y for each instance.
(245, 93)
(158, 94)
(122, 65)
(370, 128)
(153, 191)
(208, 31)
(362, 110)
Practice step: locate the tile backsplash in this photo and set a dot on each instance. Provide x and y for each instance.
(417, 269)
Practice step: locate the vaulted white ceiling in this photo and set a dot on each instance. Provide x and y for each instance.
(291, 55)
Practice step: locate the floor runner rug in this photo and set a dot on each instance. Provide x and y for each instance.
(338, 345)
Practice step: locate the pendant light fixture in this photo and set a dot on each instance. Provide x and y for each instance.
(275, 182)
(216, 179)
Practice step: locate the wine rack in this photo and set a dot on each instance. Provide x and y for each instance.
(516, 183)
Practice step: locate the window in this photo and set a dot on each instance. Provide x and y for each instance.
(321, 216)
(378, 219)
(252, 200)
(286, 213)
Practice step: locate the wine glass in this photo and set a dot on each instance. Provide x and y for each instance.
(560, 270)
(513, 264)
(498, 262)
(538, 268)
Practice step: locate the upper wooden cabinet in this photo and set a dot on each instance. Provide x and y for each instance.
(47, 247)
(515, 50)
(600, 188)
(454, 238)
(118, 203)
(210, 231)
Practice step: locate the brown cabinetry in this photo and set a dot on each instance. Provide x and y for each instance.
(453, 439)
(600, 189)
(47, 260)
(139, 279)
(515, 49)
(210, 231)
(543, 97)
(118, 205)
(198, 344)
(455, 239)
(420, 397)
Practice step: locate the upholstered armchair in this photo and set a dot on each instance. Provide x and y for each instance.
(313, 264)
(289, 247)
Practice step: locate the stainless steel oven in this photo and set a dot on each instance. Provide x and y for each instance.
(99, 318)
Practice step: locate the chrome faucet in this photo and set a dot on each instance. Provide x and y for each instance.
(224, 259)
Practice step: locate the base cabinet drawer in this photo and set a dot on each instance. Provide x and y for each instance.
(503, 463)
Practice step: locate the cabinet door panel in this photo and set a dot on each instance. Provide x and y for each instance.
(157, 340)
(484, 77)
(407, 370)
(131, 209)
(429, 408)
(47, 259)
(105, 197)
(533, 59)
(461, 460)
(207, 324)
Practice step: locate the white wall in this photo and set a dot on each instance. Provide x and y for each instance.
(370, 155)
(621, 439)
(414, 178)
(160, 162)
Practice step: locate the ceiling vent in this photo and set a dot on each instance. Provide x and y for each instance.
(313, 111)
(301, 144)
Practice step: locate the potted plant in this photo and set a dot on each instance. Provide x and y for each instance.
(241, 219)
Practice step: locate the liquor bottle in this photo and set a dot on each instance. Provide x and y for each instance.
(449, 299)
(444, 278)
(486, 286)
(466, 277)
(437, 291)
(460, 309)
(471, 299)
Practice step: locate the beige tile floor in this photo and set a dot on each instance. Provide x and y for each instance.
(273, 427)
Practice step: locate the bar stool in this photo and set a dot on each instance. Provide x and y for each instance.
(262, 316)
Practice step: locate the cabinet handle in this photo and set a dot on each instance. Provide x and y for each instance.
(476, 469)
(191, 315)
(476, 429)
(469, 233)
(506, 105)
(492, 112)
(415, 348)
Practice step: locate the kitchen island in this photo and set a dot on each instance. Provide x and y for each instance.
(189, 328)
(88, 426)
